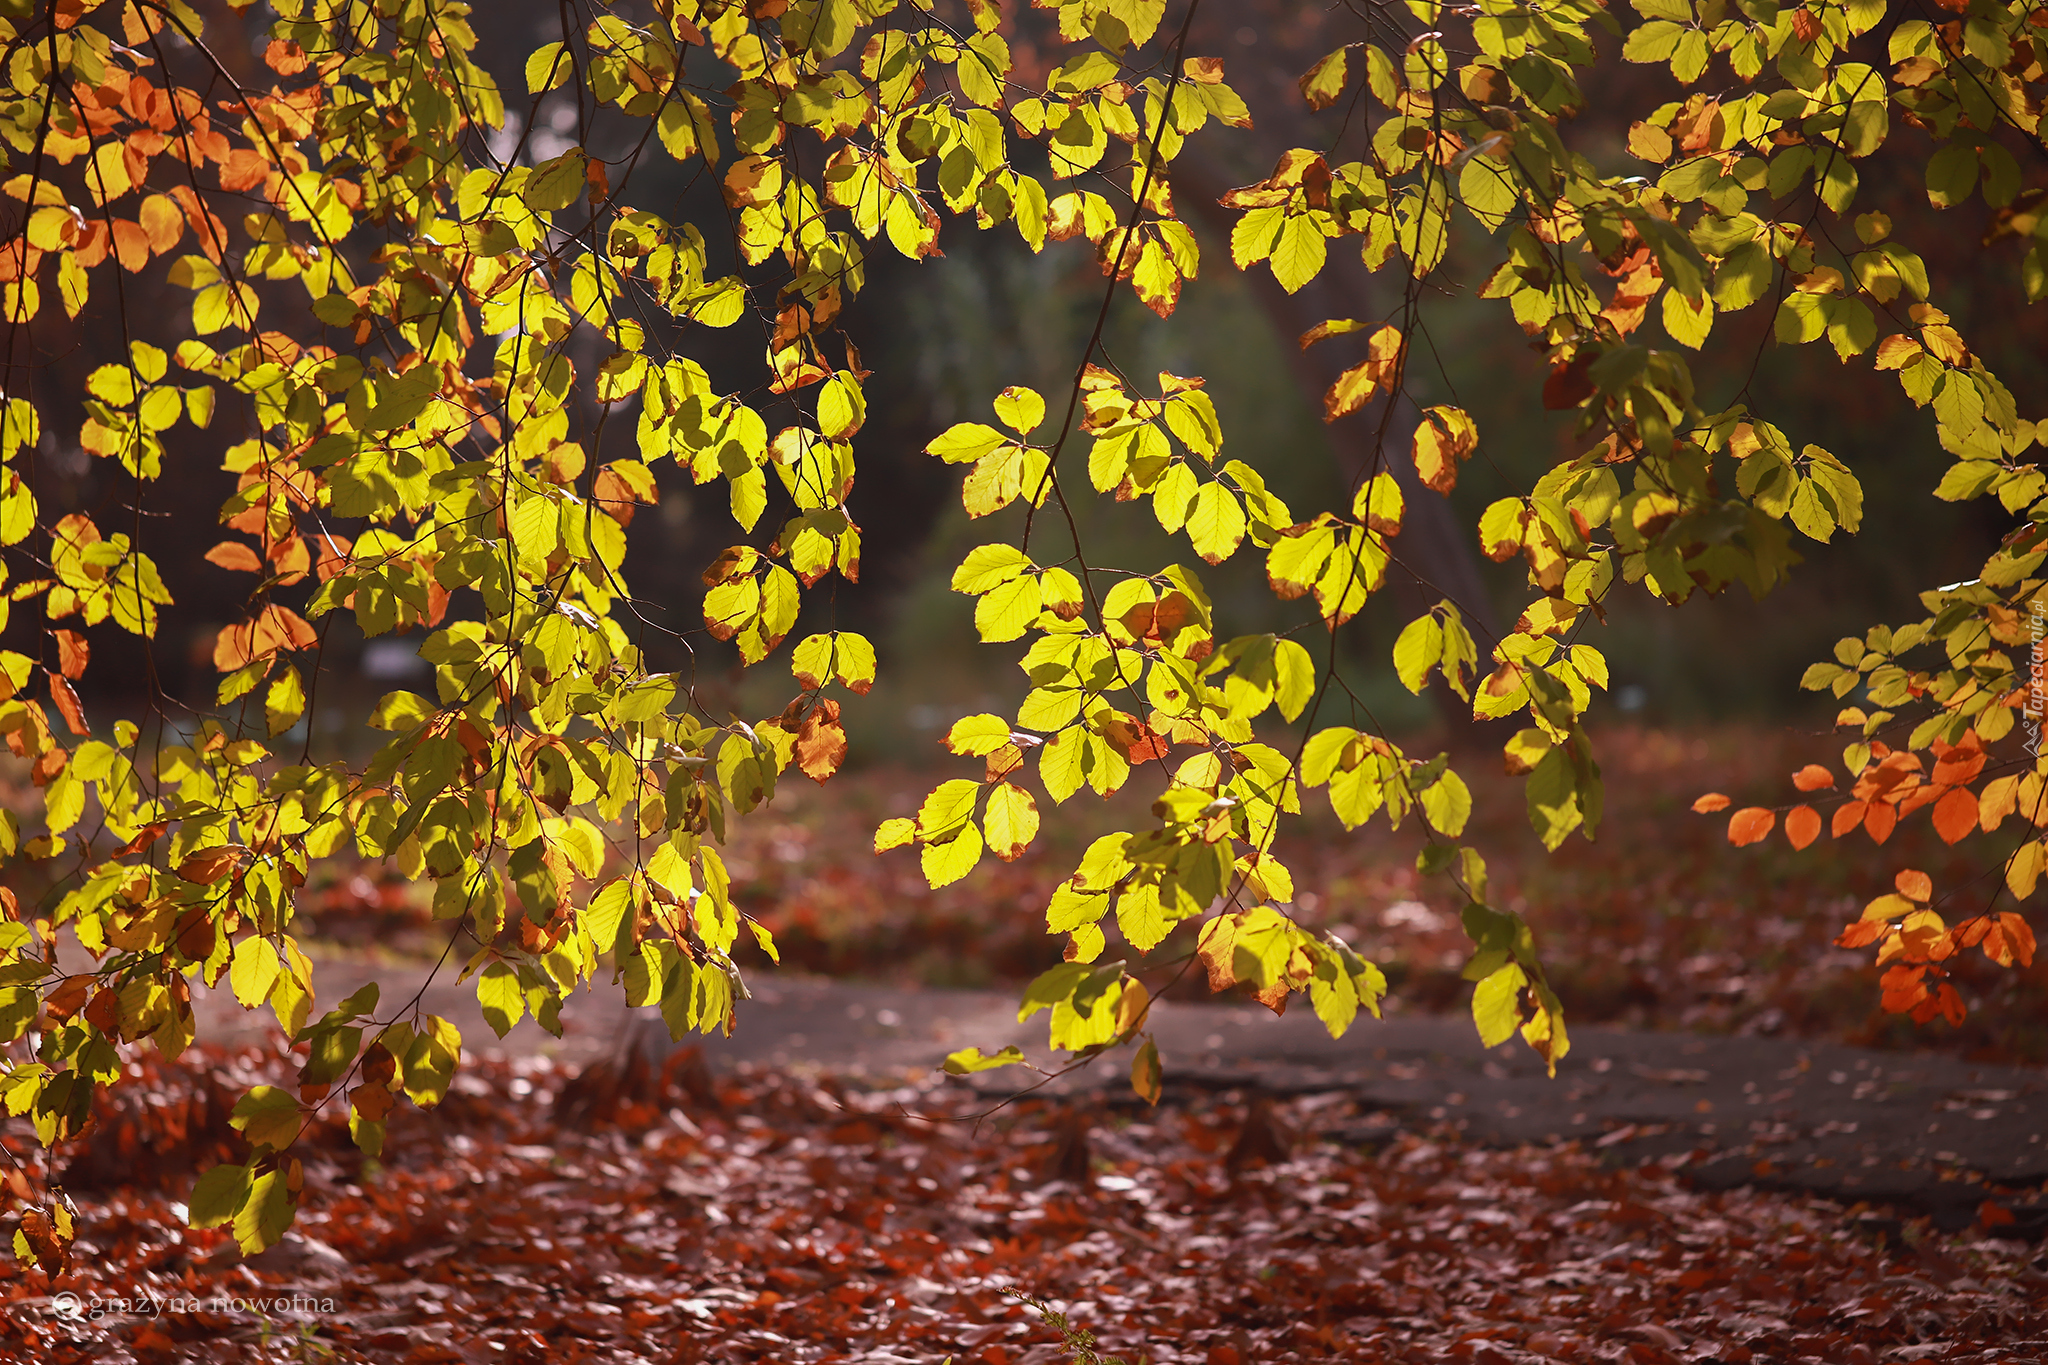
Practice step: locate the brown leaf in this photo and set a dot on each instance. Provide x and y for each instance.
(1157, 623)
(52, 1252)
(198, 933)
(1138, 742)
(64, 1001)
(1071, 1158)
(1262, 1141)
(209, 865)
(1569, 385)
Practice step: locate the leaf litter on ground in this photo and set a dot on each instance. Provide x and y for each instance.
(789, 1216)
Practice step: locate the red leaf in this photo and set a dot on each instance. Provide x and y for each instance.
(1879, 820)
(1569, 385)
(1802, 825)
(1750, 825)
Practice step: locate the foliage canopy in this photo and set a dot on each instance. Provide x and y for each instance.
(421, 325)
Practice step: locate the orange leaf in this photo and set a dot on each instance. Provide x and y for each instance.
(1990, 1215)
(1959, 763)
(149, 835)
(2018, 935)
(1861, 934)
(1750, 825)
(67, 704)
(162, 222)
(65, 1001)
(1914, 885)
(334, 557)
(1802, 825)
(2000, 798)
(821, 742)
(1136, 740)
(244, 169)
(277, 628)
(285, 57)
(1879, 820)
(1955, 815)
(1710, 803)
(1903, 988)
(1847, 817)
(209, 865)
(131, 245)
(1813, 778)
(232, 554)
(73, 653)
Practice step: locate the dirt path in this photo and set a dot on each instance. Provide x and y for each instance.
(1902, 1128)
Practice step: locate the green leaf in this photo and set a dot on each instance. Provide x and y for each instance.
(499, 995)
(1497, 1004)
(1007, 610)
(966, 442)
(268, 1117)
(947, 863)
(1216, 524)
(969, 1060)
(1417, 650)
(1145, 1072)
(558, 183)
(1299, 253)
(1052, 986)
(1020, 409)
(217, 1196)
(989, 566)
(547, 68)
(1295, 684)
(265, 1214)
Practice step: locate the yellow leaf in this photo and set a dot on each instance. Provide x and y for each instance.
(253, 971)
(1011, 820)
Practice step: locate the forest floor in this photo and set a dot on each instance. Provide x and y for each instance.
(1741, 1161)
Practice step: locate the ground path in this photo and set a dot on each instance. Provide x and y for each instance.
(1916, 1130)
